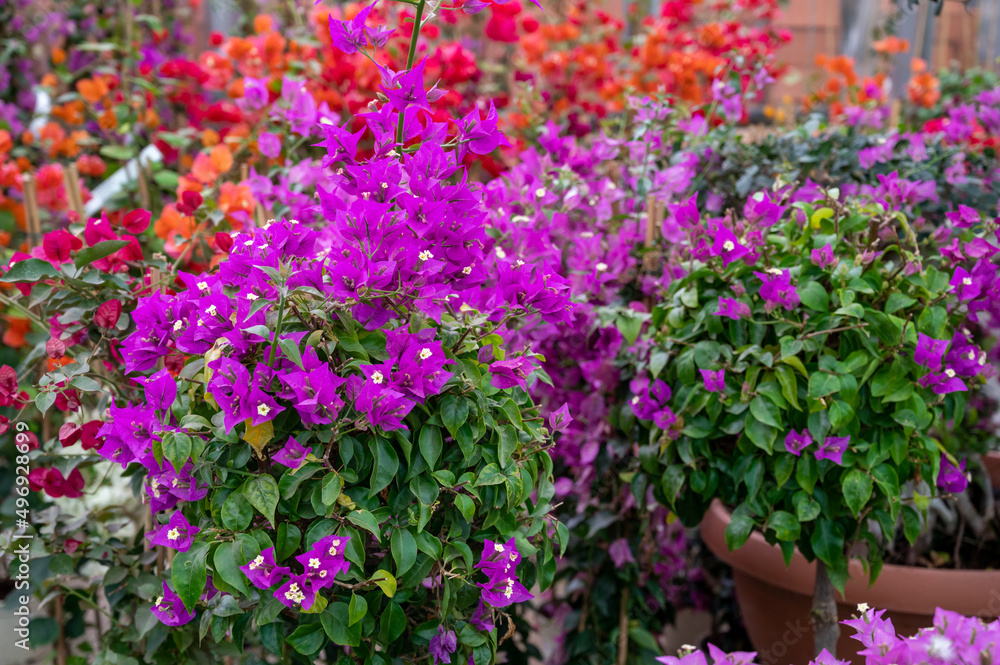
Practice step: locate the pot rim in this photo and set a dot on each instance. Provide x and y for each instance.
(898, 588)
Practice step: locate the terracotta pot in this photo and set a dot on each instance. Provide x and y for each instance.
(775, 600)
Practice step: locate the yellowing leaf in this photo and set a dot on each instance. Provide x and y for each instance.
(385, 581)
(258, 436)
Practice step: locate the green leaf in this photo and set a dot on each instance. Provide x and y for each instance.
(431, 444)
(513, 412)
(236, 512)
(393, 623)
(911, 524)
(822, 384)
(784, 525)
(765, 411)
(827, 541)
(366, 521)
(385, 581)
(761, 435)
(466, 506)
(454, 412)
(226, 565)
(840, 414)
(290, 349)
(814, 296)
(176, 448)
(307, 639)
(385, 466)
(739, 528)
(898, 301)
(44, 401)
(857, 488)
(287, 540)
(404, 549)
(29, 270)
(189, 574)
(806, 508)
(855, 310)
(332, 486)
(508, 442)
(357, 610)
(888, 480)
(262, 493)
(118, 152)
(489, 475)
(789, 385)
(88, 255)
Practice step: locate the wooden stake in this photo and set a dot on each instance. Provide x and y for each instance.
(33, 222)
(144, 199)
(62, 653)
(71, 181)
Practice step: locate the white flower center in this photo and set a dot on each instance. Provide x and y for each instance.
(377, 377)
(256, 563)
(213, 310)
(178, 325)
(425, 354)
(967, 281)
(467, 270)
(601, 267)
(950, 373)
(202, 286)
(263, 409)
(425, 255)
(728, 246)
(314, 563)
(173, 534)
(500, 253)
(252, 296)
(540, 192)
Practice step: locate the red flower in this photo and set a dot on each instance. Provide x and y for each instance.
(136, 221)
(223, 241)
(55, 348)
(51, 482)
(59, 243)
(108, 313)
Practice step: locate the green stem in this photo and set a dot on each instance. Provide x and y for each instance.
(277, 330)
(409, 60)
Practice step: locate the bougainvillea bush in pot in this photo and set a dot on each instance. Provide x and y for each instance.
(814, 351)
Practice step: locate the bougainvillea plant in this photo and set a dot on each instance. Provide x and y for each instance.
(344, 451)
(801, 366)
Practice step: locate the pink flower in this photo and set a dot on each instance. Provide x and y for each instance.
(715, 382)
(824, 257)
(795, 443)
(269, 144)
(833, 448)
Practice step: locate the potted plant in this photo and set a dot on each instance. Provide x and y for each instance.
(813, 350)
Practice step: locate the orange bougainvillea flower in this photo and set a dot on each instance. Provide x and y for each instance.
(891, 45)
(262, 23)
(52, 363)
(58, 56)
(49, 80)
(17, 328)
(203, 169)
(222, 158)
(6, 144)
(210, 137)
(172, 222)
(236, 198)
(93, 90)
(108, 120)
